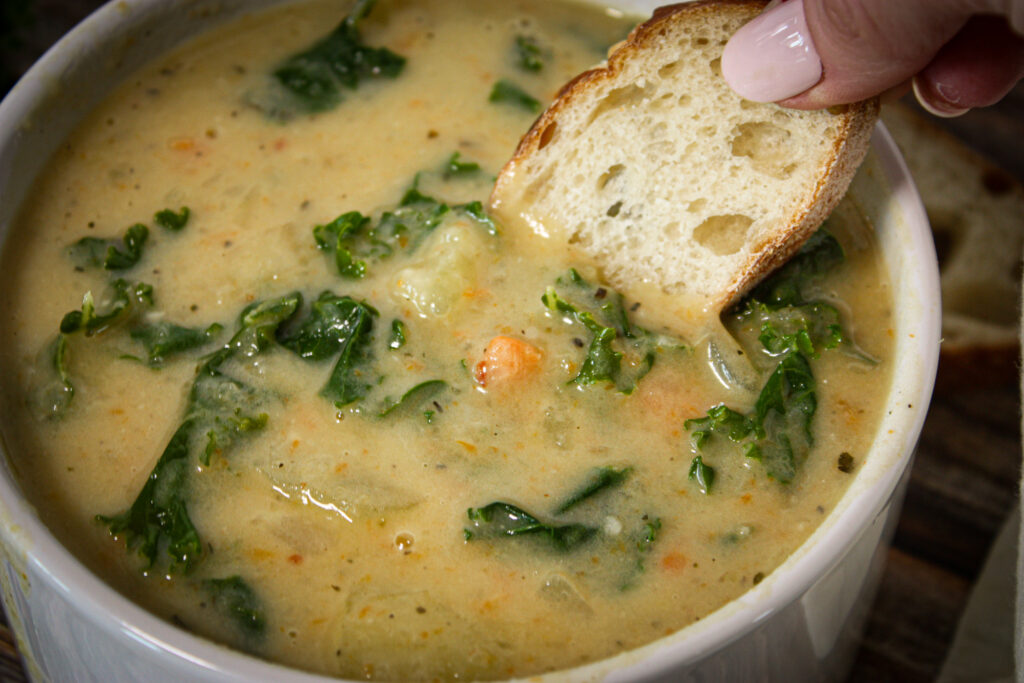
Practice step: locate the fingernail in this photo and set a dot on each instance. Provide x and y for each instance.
(772, 57)
(934, 102)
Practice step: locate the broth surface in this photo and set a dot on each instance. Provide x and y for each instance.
(348, 521)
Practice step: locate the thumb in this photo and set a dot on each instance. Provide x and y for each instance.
(849, 50)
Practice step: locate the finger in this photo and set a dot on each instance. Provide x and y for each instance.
(975, 69)
(837, 51)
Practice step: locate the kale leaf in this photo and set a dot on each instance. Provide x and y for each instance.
(331, 321)
(613, 528)
(723, 421)
(614, 338)
(455, 167)
(219, 410)
(159, 512)
(600, 479)
(234, 597)
(643, 541)
(507, 92)
(792, 283)
(346, 383)
(413, 399)
(110, 253)
(169, 220)
(52, 399)
(314, 77)
(702, 473)
(339, 236)
(504, 519)
(793, 328)
(356, 239)
(398, 335)
(258, 324)
(529, 56)
(342, 326)
(777, 432)
(164, 339)
(783, 415)
(126, 299)
(783, 309)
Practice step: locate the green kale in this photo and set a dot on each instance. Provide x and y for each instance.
(597, 514)
(455, 167)
(225, 431)
(53, 398)
(336, 326)
(413, 399)
(504, 519)
(475, 210)
(346, 383)
(792, 284)
(783, 414)
(330, 323)
(110, 253)
(804, 328)
(159, 513)
(723, 421)
(702, 473)
(507, 92)
(777, 432)
(169, 220)
(234, 597)
(165, 339)
(258, 324)
(528, 53)
(219, 410)
(314, 77)
(601, 479)
(614, 338)
(126, 299)
(643, 541)
(356, 239)
(415, 217)
(398, 335)
(339, 236)
(224, 408)
(782, 307)
(793, 328)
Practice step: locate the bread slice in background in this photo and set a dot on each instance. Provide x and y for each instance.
(977, 215)
(653, 167)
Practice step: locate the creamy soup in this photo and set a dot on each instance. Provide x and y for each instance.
(273, 373)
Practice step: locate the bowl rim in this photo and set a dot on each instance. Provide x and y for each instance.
(24, 533)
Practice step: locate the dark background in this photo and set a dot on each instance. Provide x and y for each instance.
(964, 480)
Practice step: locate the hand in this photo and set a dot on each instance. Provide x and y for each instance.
(811, 54)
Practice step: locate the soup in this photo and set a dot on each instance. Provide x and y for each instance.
(275, 374)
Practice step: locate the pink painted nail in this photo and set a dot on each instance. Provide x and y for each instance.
(936, 105)
(773, 56)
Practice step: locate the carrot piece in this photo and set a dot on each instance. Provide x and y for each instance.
(507, 359)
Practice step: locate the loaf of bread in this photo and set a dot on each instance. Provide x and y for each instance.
(977, 215)
(651, 165)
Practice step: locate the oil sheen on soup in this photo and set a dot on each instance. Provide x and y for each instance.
(275, 375)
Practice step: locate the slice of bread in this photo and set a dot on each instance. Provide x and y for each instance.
(652, 166)
(976, 210)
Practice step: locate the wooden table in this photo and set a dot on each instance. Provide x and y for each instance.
(962, 486)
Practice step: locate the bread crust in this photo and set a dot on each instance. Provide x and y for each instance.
(854, 124)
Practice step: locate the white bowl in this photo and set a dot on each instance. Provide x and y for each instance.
(800, 623)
